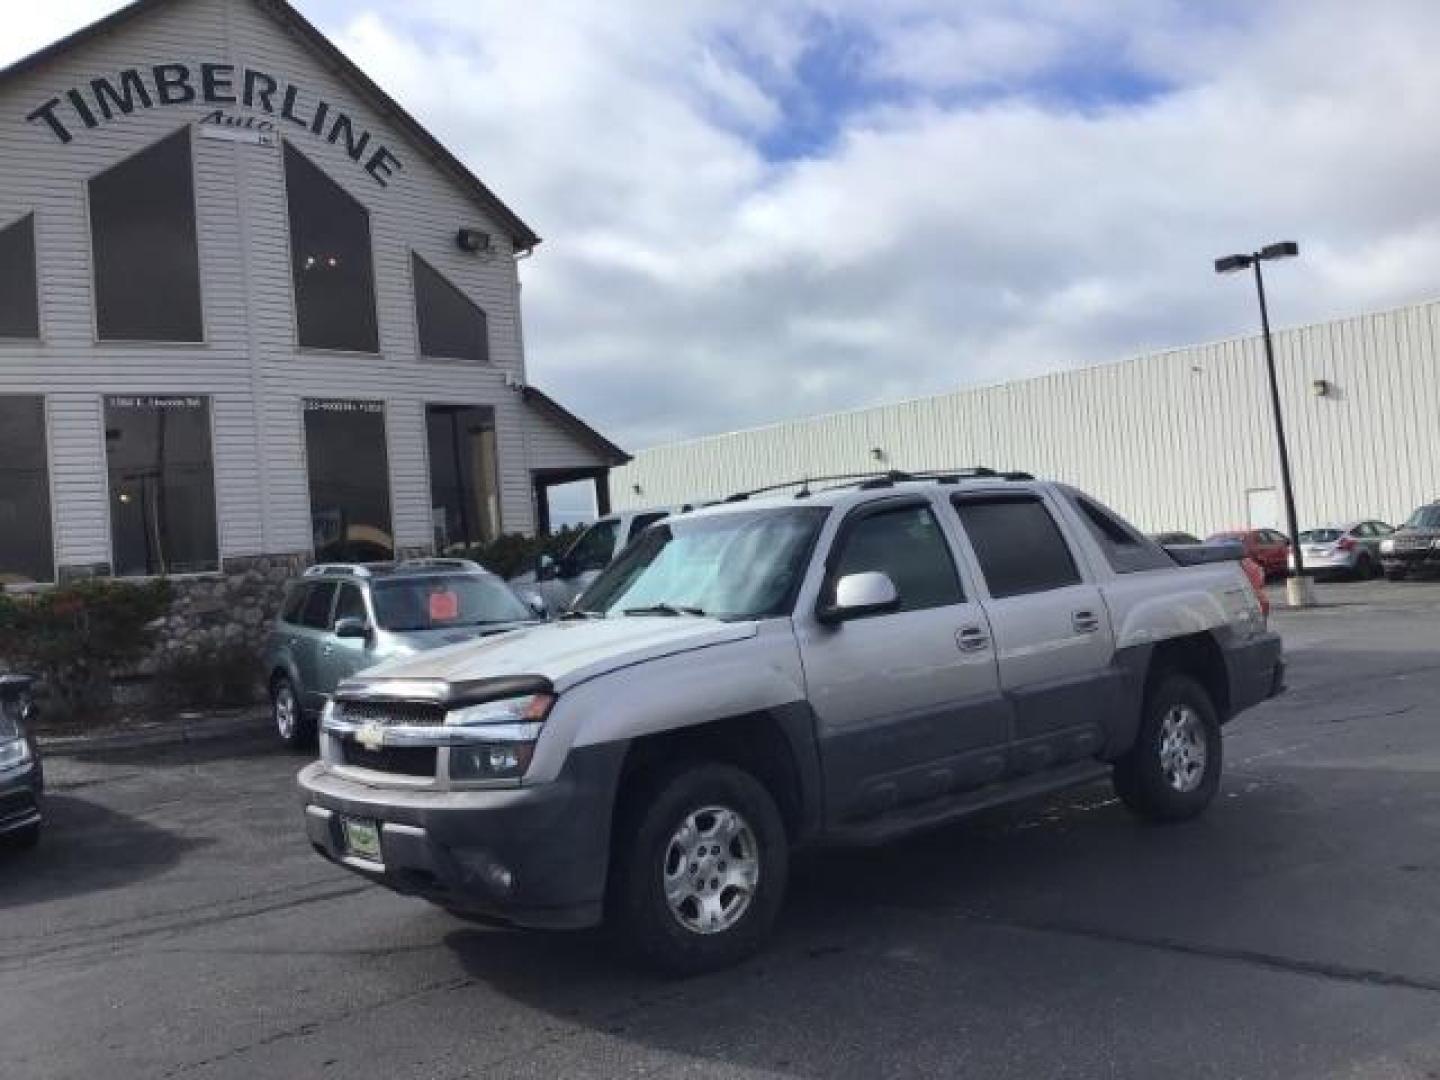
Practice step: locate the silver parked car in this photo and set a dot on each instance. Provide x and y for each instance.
(1349, 549)
(340, 618)
(559, 581)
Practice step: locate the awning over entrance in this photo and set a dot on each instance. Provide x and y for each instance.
(564, 449)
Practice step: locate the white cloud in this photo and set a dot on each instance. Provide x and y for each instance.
(1040, 184)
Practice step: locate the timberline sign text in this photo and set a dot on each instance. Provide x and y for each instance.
(105, 99)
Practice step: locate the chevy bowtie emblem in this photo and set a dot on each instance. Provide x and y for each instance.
(371, 736)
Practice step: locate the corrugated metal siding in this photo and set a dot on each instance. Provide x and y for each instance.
(250, 353)
(1173, 440)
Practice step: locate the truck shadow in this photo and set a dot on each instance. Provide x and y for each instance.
(86, 848)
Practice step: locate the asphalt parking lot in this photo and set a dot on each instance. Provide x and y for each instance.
(174, 923)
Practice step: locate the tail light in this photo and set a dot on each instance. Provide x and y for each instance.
(1346, 543)
(1256, 574)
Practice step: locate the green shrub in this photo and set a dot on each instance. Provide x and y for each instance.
(513, 554)
(75, 635)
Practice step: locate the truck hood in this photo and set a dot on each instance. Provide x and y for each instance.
(567, 652)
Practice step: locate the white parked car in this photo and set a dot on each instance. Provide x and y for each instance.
(1349, 549)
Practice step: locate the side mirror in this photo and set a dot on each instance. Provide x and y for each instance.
(536, 603)
(352, 627)
(858, 595)
(544, 568)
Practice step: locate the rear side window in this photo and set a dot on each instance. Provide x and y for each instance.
(294, 603)
(316, 612)
(905, 544)
(1125, 548)
(1018, 545)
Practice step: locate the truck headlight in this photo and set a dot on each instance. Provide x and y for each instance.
(14, 754)
(504, 735)
(1387, 547)
(1435, 544)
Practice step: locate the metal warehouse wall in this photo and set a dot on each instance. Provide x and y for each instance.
(1173, 440)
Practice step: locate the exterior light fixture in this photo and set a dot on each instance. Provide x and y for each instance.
(473, 241)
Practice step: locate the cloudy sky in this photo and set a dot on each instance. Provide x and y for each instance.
(759, 209)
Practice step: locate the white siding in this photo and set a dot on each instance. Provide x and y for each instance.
(250, 354)
(1173, 440)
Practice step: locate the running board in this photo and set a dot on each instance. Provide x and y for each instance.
(936, 812)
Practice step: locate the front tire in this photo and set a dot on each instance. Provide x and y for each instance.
(701, 865)
(1396, 574)
(1173, 770)
(295, 729)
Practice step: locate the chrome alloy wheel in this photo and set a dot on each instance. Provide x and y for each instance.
(1183, 748)
(286, 710)
(712, 868)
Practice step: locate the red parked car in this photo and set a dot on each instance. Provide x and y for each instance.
(1267, 547)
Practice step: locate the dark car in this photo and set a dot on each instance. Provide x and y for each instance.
(1415, 546)
(22, 778)
(1268, 547)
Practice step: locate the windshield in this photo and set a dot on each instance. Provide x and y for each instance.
(731, 566)
(1320, 536)
(436, 602)
(1427, 517)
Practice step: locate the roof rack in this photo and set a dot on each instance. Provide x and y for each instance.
(868, 481)
(469, 566)
(339, 570)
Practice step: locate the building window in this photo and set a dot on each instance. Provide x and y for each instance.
(464, 475)
(162, 485)
(349, 480)
(452, 327)
(19, 298)
(330, 260)
(142, 236)
(26, 552)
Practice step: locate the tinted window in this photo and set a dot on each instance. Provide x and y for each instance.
(26, 553)
(593, 550)
(434, 602)
(142, 227)
(19, 304)
(162, 484)
(1124, 548)
(452, 327)
(316, 613)
(1018, 544)
(349, 480)
(330, 261)
(294, 602)
(1427, 517)
(351, 604)
(907, 546)
(464, 475)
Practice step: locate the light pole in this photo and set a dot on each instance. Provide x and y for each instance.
(1298, 586)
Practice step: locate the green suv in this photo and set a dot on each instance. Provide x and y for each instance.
(340, 618)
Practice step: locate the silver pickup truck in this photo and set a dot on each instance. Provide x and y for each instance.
(844, 664)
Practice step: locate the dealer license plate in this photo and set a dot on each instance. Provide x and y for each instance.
(362, 838)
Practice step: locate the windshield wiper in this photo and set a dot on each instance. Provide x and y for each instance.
(665, 609)
(577, 613)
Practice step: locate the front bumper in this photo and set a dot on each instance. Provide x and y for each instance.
(534, 856)
(20, 798)
(1418, 559)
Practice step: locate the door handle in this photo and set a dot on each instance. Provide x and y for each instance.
(1085, 622)
(327, 650)
(972, 639)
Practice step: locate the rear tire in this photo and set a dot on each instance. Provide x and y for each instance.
(1173, 770)
(700, 868)
(1367, 569)
(296, 730)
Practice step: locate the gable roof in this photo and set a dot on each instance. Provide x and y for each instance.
(604, 449)
(290, 20)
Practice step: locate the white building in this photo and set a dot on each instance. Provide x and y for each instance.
(1178, 440)
(251, 312)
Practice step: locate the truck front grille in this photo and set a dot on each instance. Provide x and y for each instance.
(401, 713)
(401, 760)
